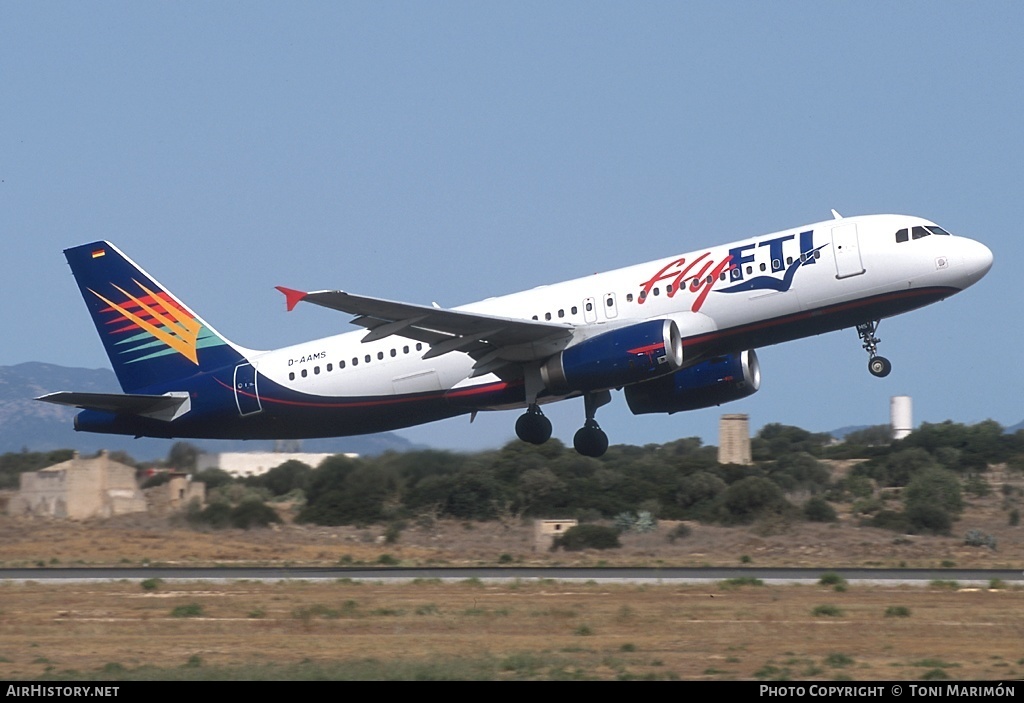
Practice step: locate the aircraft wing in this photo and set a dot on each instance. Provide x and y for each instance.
(489, 339)
(161, 407)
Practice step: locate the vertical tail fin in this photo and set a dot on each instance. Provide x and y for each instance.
(151, 337)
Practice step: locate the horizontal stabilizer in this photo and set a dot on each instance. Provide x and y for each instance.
(165, 407)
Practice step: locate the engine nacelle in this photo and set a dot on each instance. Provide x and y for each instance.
(712, 382)
(616, 358)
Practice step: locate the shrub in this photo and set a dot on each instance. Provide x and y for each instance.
(977, 538)
(831, 578)
(890, 520)
(253, 513)
(680, 531)
(818, 510)
(190, 610)
(897, 611)
(587, 537)
(927, 517)
(749, 498)
(830, 611)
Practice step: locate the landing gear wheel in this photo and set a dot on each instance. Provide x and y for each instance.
(879, 366)
(533, 427)
(590, 440)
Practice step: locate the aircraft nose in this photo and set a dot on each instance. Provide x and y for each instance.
(977, 260)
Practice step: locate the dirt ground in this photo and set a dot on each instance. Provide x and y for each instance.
(143, 539)
(343, 629)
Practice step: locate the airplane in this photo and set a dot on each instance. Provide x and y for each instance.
(675, 334)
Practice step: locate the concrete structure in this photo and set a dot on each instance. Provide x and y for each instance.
(545, 531)
(901, 416)
(256, 463)
(176, 494)
(79, 489)
(734, 440)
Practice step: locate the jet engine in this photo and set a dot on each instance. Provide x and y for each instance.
(616, 358)
(712, 382)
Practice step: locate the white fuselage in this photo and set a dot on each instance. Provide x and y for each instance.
(720, 293)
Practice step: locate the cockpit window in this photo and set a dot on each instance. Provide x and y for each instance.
(919, 232)
(934, 229)
(903, 235)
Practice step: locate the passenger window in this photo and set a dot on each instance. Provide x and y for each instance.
(316, 370)
(341, 364)
(575, 310)
(405, 349)
(419, 346)
(561, 313)
(330, 367)
(657, 292)
(304, 374)
(291, 376)
(764, 267)
(367, 358)
(394, 353)
(355, 361)
(380, 356)
(547, 316)
(668, 289)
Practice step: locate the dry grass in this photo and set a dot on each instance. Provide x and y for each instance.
(306, 630)
(534, 630)
(136, 540)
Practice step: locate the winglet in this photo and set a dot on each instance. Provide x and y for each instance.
(292, 297)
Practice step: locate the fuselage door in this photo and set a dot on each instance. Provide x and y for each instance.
(611, 308)
(846, 250)
(247, 396)
(589, 310)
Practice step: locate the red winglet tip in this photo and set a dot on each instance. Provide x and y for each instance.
(292, 297)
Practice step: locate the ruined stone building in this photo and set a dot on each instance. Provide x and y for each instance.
(79, 489)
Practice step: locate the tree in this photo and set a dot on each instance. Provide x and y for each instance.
(935, 487)
(749, 498)
(182, 456)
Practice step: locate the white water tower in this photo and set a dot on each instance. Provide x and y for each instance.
(901, 416)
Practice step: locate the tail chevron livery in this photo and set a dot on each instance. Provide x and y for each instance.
(674, 334)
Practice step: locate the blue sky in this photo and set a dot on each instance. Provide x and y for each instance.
(450, 151)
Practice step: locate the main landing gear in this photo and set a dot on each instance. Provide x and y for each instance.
(532, 426)
(590, 440)
(878, 365)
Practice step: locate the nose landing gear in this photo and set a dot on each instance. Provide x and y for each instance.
(877, 365)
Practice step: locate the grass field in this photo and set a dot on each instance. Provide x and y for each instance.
(516, 630)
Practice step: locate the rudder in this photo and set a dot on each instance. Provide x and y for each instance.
(150, 336)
